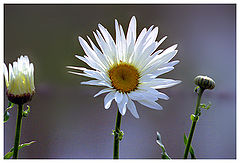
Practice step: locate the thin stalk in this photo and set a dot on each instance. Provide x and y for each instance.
(194, 122)
(116, 135)
(18, 131)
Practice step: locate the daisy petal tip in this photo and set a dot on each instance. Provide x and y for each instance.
(76, 55)
(178, 81)
(136, 116)
(133, 18)
(100, 26)
(177, 61)
(80, 38)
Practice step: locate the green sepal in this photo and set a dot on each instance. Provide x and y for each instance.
(194, 118)
(10, 153)
(191, 149)
(6, 113)
(119, 134)
(196, 89)
(204, 106)
(25, 112)
(159, 141)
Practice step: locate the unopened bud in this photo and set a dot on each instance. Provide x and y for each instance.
(204, 82)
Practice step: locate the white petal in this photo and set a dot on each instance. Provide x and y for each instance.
(162, 71)
(91, 54)
(141, 95)
(162, 83)
(102, 57)
(108, 38)
(103, 45)
(122, 105)
(118, 97)
(103, 91)
(150, 104)
(163, 39)
(152, 36)
(11, 74)
(118, 37)
(81, 74)
(140, 61)
(173, 63)
(131, 34)
(162, 96)
(154, 92)
(32, 76)
(136, 95)
(158, 61)
(132, 108)
(5, 72)
(108, 100)
(96, 82)
(140, 37)
(76, 68)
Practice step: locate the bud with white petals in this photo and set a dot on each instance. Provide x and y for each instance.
(20, 81)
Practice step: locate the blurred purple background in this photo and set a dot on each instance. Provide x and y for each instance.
(68, 122)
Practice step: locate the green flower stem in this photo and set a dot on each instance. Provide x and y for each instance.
(18, 131)
(194, 122)
(117, 135)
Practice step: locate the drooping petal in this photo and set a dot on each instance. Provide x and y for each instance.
(132, 108)
(103, 91)
(108, 100)
(122, 105)
(154, 92)
(118, 97)
(150, 104)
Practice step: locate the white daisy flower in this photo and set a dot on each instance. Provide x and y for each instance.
(20, 80)
(128, 67)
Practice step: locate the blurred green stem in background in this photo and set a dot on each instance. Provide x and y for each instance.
(18, 130)
(118, 134)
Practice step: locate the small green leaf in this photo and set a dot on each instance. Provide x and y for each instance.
(194, 117)
(208, 106)
(10, 104)
(10, 154)
(25, 112)
(204, 106)
(191, 149)
(6, 116)
(159, 141)
(6, 113)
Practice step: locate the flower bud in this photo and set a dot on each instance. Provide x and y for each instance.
(20, 81)
(204, 82)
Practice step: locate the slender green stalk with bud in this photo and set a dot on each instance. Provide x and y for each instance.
(20, 90)
(203, 83)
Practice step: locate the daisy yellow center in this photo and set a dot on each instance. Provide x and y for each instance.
(124, 77)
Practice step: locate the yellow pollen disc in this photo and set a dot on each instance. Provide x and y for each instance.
(124, 77)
